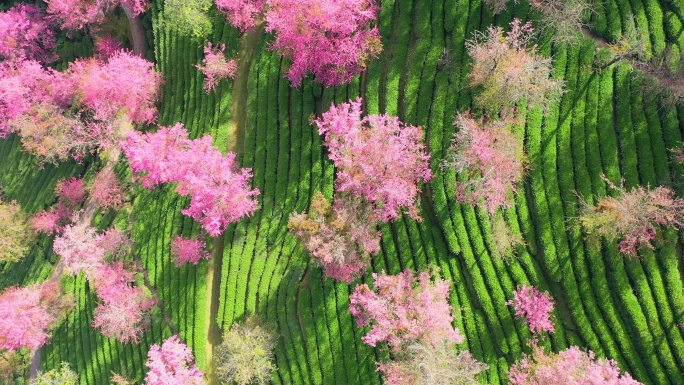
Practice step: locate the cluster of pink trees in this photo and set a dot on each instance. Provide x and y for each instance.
(332, 39)
(218, 189)
(380, 162)
(413, 316)
(124, 309)
(67, 114)
(567, 367)
(28, 313)
(171, 364)
(26, 35)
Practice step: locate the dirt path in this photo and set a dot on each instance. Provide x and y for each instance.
(236, 135)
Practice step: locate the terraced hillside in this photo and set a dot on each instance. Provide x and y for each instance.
(626, 309)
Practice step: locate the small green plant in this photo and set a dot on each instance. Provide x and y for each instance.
(62, 376)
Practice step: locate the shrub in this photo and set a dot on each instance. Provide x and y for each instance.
(245, 356)
(15, 232)
(62, 376)
(215, 67)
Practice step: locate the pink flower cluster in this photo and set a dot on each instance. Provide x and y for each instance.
(106, 47)
(125, 83)
(76, 14)
(405, 308)
(218, 189)
(568, 367)
(26, 35)
(338, 238)
(172, 364)
(535, 307)
(106, 190)
(70, 194)
(125, 88)
(185, 250)
(215, 67)
(124, 309)
(378, 158)
(25, 318)
(242, 14)
(332, 39)
(490, 155)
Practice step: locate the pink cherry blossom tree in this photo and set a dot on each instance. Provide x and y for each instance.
(71, 191)
(70, 195)
(508, 70)
(25, 34)
(378, 158)
(490, 155)
(218, 189)
(76, 14)
(332, 39)
(172, 364)
(184, 250)
(28, 313)
(568, 367)
(243, 14)
(107, 97)
(106, 190)
(340, 237)
(215, 67)
(405, 308)
(535, 307)
(124, 311)
(632, 217)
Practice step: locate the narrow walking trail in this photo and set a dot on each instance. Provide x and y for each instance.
(236, 134)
